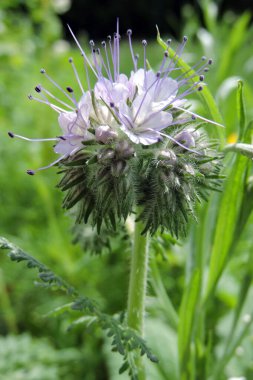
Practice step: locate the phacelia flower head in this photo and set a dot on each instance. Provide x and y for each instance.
(131, 140)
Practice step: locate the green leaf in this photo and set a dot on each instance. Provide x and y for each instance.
(124, 339)
(228, 217)
(232, 45)
(241, 110)
(44, 274)
(186, 317)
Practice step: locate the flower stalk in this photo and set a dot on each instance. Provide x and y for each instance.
(138, 286)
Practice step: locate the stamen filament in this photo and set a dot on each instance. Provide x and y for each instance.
(76, 74)
(82, 51)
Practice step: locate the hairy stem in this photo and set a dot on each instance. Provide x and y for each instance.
(137, 287)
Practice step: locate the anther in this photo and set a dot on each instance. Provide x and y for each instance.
(111, 104)
(109, 38)
(37, 88)
(129, 32)
(70, 60)
(210, 61)
(11, 134)
(144, 42)
(158, 74)
(206, 70)
(166, 54)
(169, 41)
(203, 58)
(194, 117)
(185, 38)
(103, 43)
(30, 97)
(30, 172)
(92, 43)
(200, 88)
(42, 71)
(69, 89)
(201, 78)
(61, 137)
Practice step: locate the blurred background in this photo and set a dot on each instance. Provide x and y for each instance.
(33, 34)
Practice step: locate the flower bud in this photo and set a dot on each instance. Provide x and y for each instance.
(105, 155)
(124, 149)
(186, 138)
(105, 134)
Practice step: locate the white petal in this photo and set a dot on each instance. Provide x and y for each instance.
(157, 121)
(66, 120)
(144, 138)
(165, 90)
(67, 146)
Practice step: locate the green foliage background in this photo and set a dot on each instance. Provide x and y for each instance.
(31, 216)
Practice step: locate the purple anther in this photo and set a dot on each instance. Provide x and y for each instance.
(30, 172)
(37, 88)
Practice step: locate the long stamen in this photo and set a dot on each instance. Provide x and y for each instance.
(144, 96)
(107, 61)
(40, 88)
(115, 57)
(87, 74)
(76, 74)
(118, 49)
(82, 51)
(129, 33)
(43, 71)
(93, 53)
(12, 135)
(144, 44)
(103, 63)
(109, 38)
(198, 116)
(178, 53)
(73, 98)
(32, 172)
(53, 106)
(196, 73)
(200, 62)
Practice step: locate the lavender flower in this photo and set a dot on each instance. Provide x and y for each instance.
(125, 129)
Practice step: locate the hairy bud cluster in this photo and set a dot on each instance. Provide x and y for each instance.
(166, 181)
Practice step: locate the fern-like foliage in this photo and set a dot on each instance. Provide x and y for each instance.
(124, 340)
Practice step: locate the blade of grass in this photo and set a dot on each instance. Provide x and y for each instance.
(236, 38)
(186, 317)
(219, 370)
(162, 295)
(231, 205)
(241, 110)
